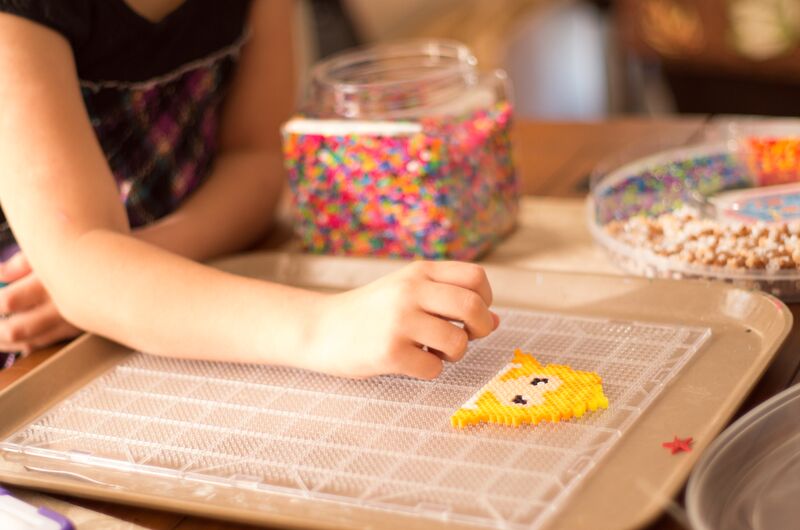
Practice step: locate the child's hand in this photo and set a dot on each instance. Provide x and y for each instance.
(32, 320)
(403, 323)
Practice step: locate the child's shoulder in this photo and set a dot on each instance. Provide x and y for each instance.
(68, 17)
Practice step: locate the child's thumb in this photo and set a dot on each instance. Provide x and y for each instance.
(14, 268)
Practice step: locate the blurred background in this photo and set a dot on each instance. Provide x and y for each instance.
(592, 59)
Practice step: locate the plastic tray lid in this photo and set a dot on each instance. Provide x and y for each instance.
(749, 478)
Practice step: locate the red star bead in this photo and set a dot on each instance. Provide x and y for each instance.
(677, 445)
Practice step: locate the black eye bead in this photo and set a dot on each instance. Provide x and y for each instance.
(519, 400)
(537, 380)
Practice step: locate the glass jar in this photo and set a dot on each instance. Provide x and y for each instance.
(403, 150)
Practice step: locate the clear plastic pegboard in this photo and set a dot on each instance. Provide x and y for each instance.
(384, 443)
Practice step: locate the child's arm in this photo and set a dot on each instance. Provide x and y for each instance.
(230, 210)
(63, 206)
(62, 203)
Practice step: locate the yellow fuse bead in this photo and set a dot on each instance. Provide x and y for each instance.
(524, 391)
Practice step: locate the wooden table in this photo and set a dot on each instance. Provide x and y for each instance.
(554, 160)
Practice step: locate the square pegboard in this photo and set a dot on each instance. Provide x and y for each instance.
(384, 443)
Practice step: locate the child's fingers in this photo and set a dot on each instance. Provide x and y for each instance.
(457, 303)
(415, 362)
(24, 326)
(62, 332)
(31, 330)
(22, 295)
(466, 275)
(448, 339)
(14, 268)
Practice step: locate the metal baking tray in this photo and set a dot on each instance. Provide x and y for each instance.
(272, 445)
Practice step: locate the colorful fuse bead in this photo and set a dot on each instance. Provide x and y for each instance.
(524, 391)
(774, 160)
(665, 187)
(446, 191)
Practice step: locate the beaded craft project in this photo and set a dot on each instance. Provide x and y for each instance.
(524, 391)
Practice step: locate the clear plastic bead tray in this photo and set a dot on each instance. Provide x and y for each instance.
(668, 180)
(383, 443)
